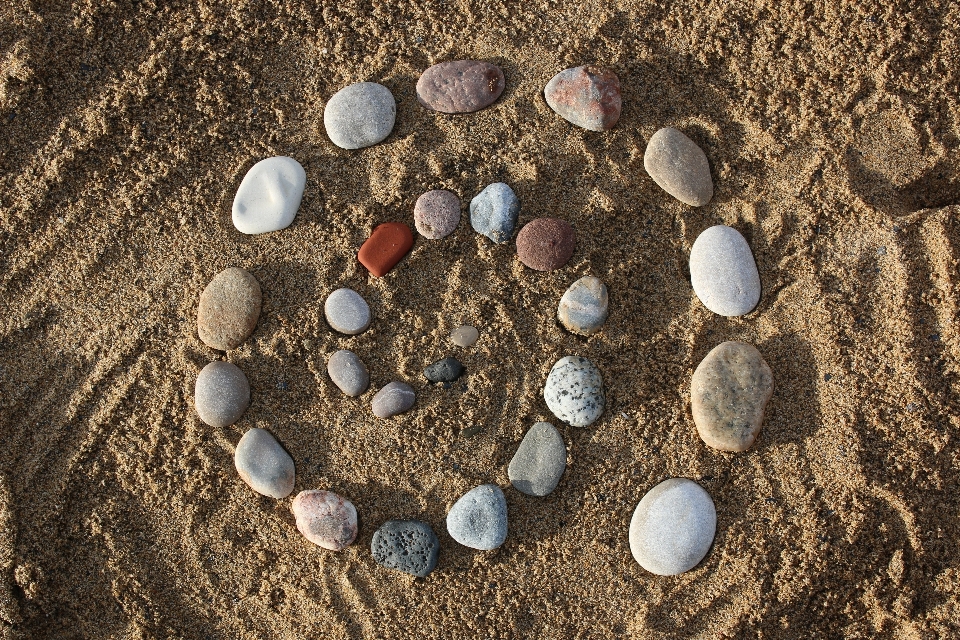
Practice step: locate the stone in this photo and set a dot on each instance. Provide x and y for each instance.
(269, 195)
(723, 273)
(728, 394)
(539, 462)
(229, 309)
(494, 211)
(460, 86)
(574, 391)
(673, 527)
(479, 519)
(584, 306)
(446, 370)
(437, 214)
(679, 166)
(546, 244)
(347, 312)
(348, 372)
(385, 247)
(360, 115)
(264, 465)
(393, 399)
(222, 394)
(409, 546)
(325, 519)
(465, 336)
(587, 96)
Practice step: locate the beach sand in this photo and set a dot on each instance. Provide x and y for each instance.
(832, 134)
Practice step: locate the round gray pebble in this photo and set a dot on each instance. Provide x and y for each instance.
(479, 519)
(539, 462)
(222, 394)
(679, 166)
(264, 465)
(360, 115)
(465, 336)
(409, 546)
(723, 272)
(494, 211)
(574, 391)
(584, 306)
(347, 312)
(348, 372)
(393, 399)
(437, 214)
(446, 370)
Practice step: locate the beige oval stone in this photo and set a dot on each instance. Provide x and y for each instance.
(229, 309)
(679, 166)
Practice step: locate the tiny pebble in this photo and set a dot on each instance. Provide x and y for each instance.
(269, 195)
(409, 546)
(539, 462)
(347, 312)
(546, 244)
(460, 86)
(723, 272)
(385, 247)
(587, 96)
(584, 306)
(494, 211)
(360, 115)
(264, 465)
(479, 518)
(222, 394)
(465, 336)
(446, 370)
(437, 214)
(393, 399)
(679, 166)
(348, 372)
(325, 519)
(574, 391)
(229, 308)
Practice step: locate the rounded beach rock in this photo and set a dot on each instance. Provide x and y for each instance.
(347, 312)
(728, 394)
(348, 372)
(465, 336)
(574, 391)
(229, 308)
(479, 518)
(446, 370)
(437, 214)
(673, 527)
(393, 399)
(584, 306)
(539, 462)
(360, 115)
(385, 247)
(325, 519)
(587, 96)
(546, 244)
(269, 195)
(222, 394)
(723, 273)
(460, 86)
(494, 211)
(264, 465)
(409, 546)
(679, 166)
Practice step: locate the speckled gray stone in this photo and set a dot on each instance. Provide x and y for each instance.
(347, 312)
(679, 166)
(723, 272)
(437, 214)
(584, 306)
(673, 527)
(264, 465)
(494, 211)
(409, 546)
(360, 115)
(222, 394)
(446, 370)
(348, 372)
(539, 462)
(393, 399)
(574, 391)
(479, 519)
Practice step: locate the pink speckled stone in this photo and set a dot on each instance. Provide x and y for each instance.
(325, 519)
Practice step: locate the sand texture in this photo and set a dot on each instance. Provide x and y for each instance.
(832, 134)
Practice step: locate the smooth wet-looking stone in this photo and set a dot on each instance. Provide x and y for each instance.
(679, 166)
(539, 462)
(264, 464)
(222, 394)
(347, 312)
(269, 195)
(446, 370)
(437, 214)
(723, 272)
(348, 372)
(494, 211)
(393, 399)
(385, 247)
(409, 546)
(574, 391)
(465, 336)
(584, 306)
(587, 96)
(229, 308)
(546, 244)
(360, 115)
(460, 86)
(479, 518)
(325, 519)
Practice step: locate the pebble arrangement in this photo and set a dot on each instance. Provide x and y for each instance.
(674, 523)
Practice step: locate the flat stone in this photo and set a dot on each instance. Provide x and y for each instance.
(723, 272)
(385, 247)
(539, 462)
(588, 96)
(393, 399)
(584, 306)
(437, 214)
(673, 527)
(222, 394)
(545, 244)
(465, 336)
(269, 195)
(347, 312)
(348, 372)
(728, 395)
(360, 115)
(325, 519)
(479, 519)
(229, 309)
(446, 370)
(679, 166)
(409, 546)
(574, 391)
(460, 86)
(264, 465)
(494, 211)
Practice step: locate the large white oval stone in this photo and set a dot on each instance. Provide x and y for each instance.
(723, 272)
(269, 195)
(673, 527)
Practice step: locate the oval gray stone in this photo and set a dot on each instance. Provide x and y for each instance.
(437, 214)
(460, 86)
(229, 308)
(539, 462)
(409, 546)
(584, 306)
(673, 527)
(479, 518)
(574, 391)
(348, 372)
(222, 394)
(679, 166)
(347, 312)
(264, 464)
(465, 336)
(360, 115)
(723, 273)
(393, 399)
(494, 211)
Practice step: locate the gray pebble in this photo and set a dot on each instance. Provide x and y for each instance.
(264, 465)
(679, 166)
(347, 312)
(347, 371)
(539, 462)
(409, 546)
(360, 115)
(584, 306)
(673, 527)
(465, 336)
(393, 399)
(723, 272)
(222, 394)
(574, 391)
(479, 518)
(446, 370)
(494, 211)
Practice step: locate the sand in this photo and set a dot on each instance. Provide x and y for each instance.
(832, 133)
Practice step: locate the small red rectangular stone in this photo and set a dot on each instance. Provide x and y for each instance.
(385, 247)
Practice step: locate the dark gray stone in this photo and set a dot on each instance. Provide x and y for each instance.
(446, 370)
(539, 462)
(409, 546)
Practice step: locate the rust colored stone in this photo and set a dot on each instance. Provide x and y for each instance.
(460, 86)
(546, 244)
(385, 247)
(587, 96)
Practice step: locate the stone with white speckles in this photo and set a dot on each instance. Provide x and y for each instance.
(574, 391)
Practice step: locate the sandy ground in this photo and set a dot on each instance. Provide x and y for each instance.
(832, 132)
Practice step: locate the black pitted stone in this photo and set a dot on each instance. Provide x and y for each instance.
(410, 546)
(446, 370)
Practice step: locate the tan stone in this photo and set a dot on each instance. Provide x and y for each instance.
(679, 166)
(229, 309)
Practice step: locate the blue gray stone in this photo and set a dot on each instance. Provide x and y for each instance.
(494, 211)
(409, 546)
(479, 518)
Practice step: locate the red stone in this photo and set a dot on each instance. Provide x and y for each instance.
(385, 247)
(546, 244)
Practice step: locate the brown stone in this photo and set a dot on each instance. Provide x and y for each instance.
(229, 309)
(460, 86)
(385, 247)
(546, 244)
(437, 214)
(589, 97)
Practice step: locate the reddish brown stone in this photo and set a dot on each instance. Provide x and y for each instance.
(385, 247)
(589, 97)
(460, 86)
(546, 244)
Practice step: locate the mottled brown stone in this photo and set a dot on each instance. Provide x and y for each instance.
(587, 96)
(229, 308)
(325, 519)
(546, 244)
(460, 86)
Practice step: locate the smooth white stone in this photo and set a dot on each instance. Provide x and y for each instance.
(269, 195)
(723, 272)
(360, 115)
(347, 312)
(479, 519)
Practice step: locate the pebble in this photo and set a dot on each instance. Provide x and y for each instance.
(264, 465)
(574, 391)
(728, 394)
(494, 211)
(348, 372)
(385, 247)
(222, 394)
(673, 527)
(360, 115)
(584, 306)
(460, 86)
(229, 309)
(393, 399)
(723, 272)
(347, 312)
(325, 519)
(539, 462)
(546, 244)
(679, 166)
(437, 214)
(588, 96)
(409, 546)
(269, 195)
(465, 336)
(446, 370)
(479, 519)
